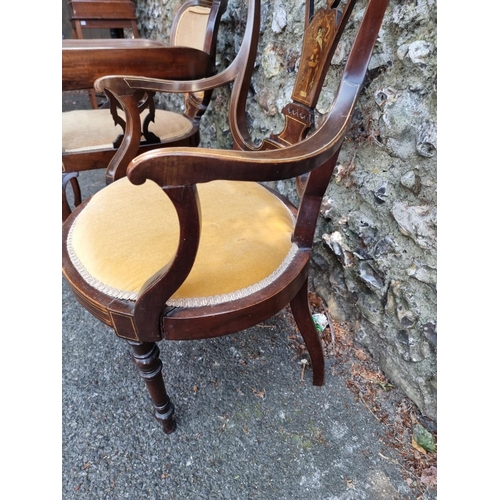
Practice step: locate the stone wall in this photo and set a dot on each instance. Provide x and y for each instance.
(375, 259)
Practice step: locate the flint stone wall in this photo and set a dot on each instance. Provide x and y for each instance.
(375, 258)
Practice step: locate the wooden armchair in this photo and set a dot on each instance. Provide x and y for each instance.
(189, 244)
(90, 138)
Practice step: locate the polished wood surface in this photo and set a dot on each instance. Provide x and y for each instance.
(179, 170)
(102, 9)
(84, 61)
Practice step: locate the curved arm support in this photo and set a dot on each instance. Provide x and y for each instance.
(184, 166)
(131, 138)
(158, 289)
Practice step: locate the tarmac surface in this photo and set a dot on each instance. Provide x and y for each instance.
(248, 425)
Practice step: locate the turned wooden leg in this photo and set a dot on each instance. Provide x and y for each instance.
(145, 356)
(303, 318)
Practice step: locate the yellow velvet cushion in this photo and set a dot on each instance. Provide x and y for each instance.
(127, 233)
(92, 129)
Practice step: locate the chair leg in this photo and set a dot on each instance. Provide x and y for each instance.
(302, 315)
(145, 356)
(93, 99)
(71, 179)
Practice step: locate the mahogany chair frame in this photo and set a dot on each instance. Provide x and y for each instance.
(293, 153)
(84, 61)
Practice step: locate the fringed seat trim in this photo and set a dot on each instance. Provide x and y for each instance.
(181, 302)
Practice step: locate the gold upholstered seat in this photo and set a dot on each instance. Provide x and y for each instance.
(128, 233)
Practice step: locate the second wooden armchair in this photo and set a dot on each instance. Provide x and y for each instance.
(90, 138)
(186, 243)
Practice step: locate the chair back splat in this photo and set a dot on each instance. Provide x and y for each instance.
(187, 243)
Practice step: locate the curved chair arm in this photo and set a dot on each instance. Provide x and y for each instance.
(239, 71)
(186, 166)
(167, 280)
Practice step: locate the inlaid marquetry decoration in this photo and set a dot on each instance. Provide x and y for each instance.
(318, 39)
(319, 44)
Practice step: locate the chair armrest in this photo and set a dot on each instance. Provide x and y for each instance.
(84, 61)
(174, 167)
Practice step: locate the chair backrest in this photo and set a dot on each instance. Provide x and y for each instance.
(300, 142)
(190, 25)
(323, 30)
(102, 14)
(196, 25)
